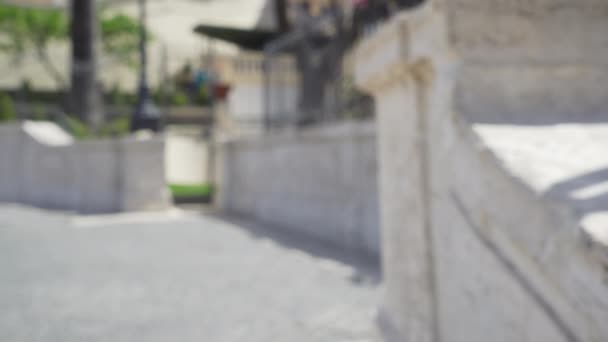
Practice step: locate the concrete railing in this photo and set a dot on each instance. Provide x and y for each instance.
(41, 165)
(319, 182)
(473, 247)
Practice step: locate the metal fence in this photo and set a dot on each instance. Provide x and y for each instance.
(311, 97)
(308, 78)
(323, 88)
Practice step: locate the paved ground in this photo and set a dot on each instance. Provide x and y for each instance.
(153, 278)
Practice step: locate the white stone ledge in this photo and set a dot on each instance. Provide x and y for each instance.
(563, 164)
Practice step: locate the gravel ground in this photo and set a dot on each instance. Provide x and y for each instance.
(175, 278)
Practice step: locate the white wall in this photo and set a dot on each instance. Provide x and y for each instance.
(246, 102)
(97, 161)
(247, 97)
(186, 157)
(10, 165)
(320, 182)
(532, 62)
(41, 165)
(143, 184)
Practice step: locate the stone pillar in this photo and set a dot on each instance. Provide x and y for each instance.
(473, 249)
(401, 66)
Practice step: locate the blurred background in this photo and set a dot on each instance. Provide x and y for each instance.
(303, 170)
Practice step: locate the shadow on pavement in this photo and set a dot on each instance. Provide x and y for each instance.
(366, 267)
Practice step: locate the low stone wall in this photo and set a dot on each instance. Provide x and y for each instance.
(11, 162)
(320, 182)
(41, 165)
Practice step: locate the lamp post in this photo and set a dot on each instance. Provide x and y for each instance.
(147, 115)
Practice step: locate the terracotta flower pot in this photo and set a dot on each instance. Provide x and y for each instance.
(220, 91)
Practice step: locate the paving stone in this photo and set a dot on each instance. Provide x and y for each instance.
(181, 278)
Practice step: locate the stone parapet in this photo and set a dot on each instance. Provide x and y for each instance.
(41, 165)
(472, 249)
(319, 182)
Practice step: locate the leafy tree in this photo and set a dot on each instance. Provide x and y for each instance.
(32, 30)
(180, 99)
(120, 38)
(25, 30)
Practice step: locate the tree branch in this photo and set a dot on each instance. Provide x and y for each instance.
(50, 68)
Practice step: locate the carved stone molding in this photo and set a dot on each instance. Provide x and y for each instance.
(399, 48)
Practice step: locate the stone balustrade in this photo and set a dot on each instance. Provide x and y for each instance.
(475, 244)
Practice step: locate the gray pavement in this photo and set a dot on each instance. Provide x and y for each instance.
(175, 278)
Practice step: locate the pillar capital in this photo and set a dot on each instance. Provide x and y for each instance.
(401, 48)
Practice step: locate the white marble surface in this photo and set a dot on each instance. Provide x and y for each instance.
(565, 162)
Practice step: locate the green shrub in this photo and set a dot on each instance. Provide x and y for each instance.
(180, 99)
(116, 127)
(39, 113)
(202, 96)
(157, 95)
(7, 108)
(77, 128)
(116, 96)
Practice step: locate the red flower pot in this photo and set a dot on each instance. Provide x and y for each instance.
(220, 91)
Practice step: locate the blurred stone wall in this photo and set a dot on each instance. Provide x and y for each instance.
(43, 166)
(320, 182)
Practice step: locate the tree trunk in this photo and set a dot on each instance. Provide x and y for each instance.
(84, 91)
(280, 7)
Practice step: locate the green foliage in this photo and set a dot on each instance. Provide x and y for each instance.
(119, 98)
(79, 130)
(39, 113)
(191, 190)
(7, 108)
(202, 97)
(25, 30)
(120, 38)
(76, 128)
(180, 99)
(158, 96)
(116, 127)
(115, 95)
